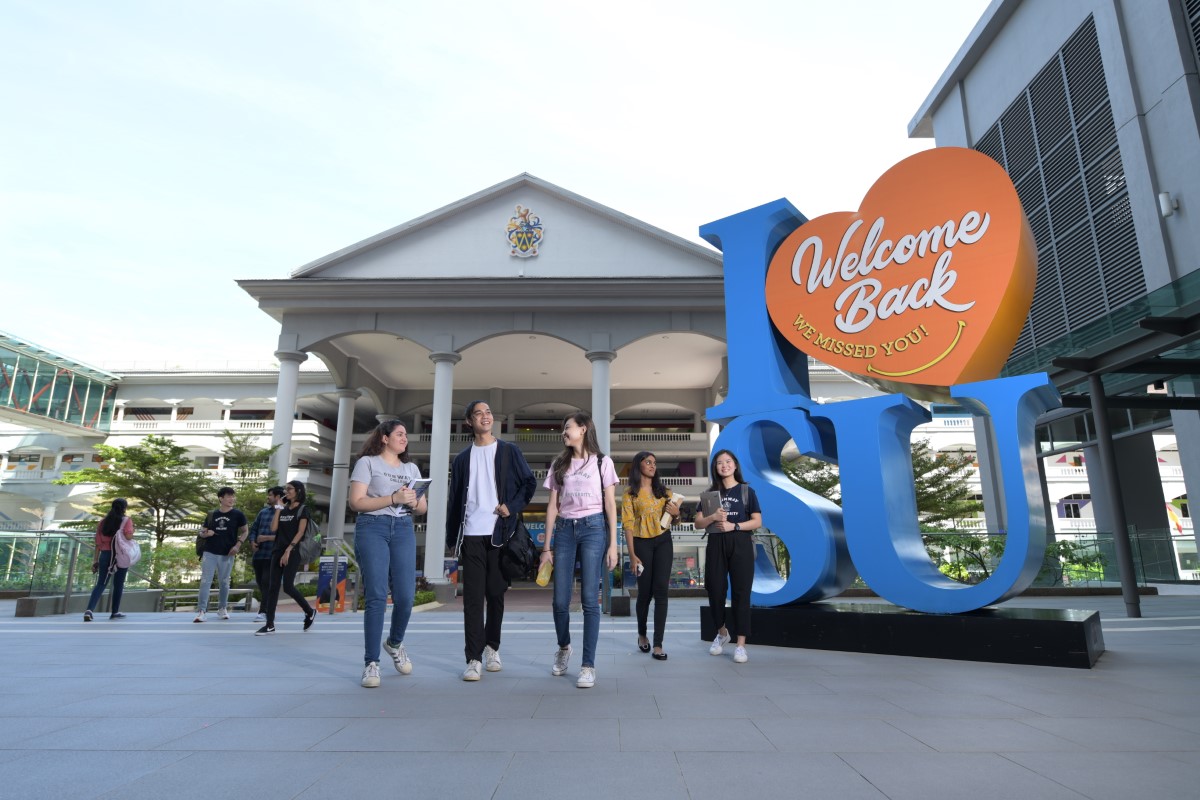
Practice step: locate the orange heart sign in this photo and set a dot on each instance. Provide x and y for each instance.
(925, 287)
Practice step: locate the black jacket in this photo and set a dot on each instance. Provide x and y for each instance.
(517, 491)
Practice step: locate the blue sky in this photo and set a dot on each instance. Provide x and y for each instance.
(154, 152)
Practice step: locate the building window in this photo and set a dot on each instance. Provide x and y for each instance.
(1071, 510)
(1058, 143)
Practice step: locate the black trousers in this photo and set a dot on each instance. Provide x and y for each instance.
(287, 577)
(730, 564)
(262, 577)
(657, 555)
(483, 585)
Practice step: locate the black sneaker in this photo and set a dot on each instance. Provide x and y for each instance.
(264, 630)
(309, 619)
(117, 615)
(87, 615)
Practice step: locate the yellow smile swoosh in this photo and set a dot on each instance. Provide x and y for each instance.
(923, 367)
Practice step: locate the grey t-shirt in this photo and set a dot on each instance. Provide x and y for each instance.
(382, 479)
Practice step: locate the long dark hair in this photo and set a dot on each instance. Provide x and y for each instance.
(301, 495)
(635, 476)
(373, 446)
(712, 470)
(112, 520)
(591, 446)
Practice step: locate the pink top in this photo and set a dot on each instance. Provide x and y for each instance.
(580, 496)
(104, 543)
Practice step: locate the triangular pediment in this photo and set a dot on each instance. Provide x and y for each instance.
(469, 239)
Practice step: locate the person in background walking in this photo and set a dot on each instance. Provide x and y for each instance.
(383, 494)
(261, 540)
(651, 554)
(114, 523)
(582, 505)
(729, 555)
(289, 526)
(223, 533)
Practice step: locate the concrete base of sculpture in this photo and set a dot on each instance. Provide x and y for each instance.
(1045, 637)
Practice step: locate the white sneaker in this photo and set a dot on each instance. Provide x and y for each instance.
(491, 659)
(718, 645)
(223, 613)
(399, 657)
(200, 617)
(370, 677)
(739, 656)
(561, 656)
(473, 672)
(587, 678)
(261, 617)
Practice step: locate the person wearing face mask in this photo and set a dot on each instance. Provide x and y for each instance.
(729, 554)
(490, 484)
(581, 522)
(382, 493)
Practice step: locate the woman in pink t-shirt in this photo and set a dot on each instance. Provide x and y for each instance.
(581, 519)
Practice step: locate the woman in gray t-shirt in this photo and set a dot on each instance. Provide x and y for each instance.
(382, 493)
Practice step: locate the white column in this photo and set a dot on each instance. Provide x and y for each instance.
(439, 463)
(340, 480)
(227, 411)
(601, 405)
(174, 409)
(120, 406)
(3, 464)
(285, 410)
(416, 428)
(49, 511)
(512, 425)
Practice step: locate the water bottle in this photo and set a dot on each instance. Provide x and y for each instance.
(544, 573)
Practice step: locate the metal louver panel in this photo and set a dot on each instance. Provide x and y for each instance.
(1058, 143)
(1191, 9)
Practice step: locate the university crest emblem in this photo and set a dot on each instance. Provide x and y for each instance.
(525, 232)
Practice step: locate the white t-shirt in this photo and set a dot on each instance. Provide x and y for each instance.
(480, 516)
(382, 479)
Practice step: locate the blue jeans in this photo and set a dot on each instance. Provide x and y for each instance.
(385, 546)
(587, 538)
(223, 566)
(102, 581)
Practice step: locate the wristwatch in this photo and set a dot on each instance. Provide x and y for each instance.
(737, 526)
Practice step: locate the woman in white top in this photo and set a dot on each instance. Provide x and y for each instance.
(581, 520)
(382, 493)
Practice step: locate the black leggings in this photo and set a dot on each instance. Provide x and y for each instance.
(657, 555)
(286, 576)
(262, 577)
(729, 561)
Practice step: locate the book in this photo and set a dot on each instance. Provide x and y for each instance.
(666, 520)
(420, 486)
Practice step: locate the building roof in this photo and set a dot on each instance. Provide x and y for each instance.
(314, 268)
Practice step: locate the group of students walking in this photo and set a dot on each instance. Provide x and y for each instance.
(490, 486)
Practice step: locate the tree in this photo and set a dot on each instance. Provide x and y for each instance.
(943, 495)
(158, 478)
(940, 480)
(251, 466)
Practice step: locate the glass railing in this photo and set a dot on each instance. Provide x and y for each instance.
(51, 562)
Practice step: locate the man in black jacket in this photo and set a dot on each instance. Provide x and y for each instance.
(490, 484)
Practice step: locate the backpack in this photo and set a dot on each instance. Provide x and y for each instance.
(312, 544)
(126, 552)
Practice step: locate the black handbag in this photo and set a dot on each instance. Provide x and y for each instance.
(518, 554)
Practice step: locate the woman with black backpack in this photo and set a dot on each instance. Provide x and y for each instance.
(103, 563)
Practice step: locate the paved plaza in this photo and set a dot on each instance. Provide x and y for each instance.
(154, 706)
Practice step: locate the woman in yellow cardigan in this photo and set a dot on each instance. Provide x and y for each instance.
(650, 551)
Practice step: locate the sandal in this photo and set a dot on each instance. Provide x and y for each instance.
(643, 644)
(659, 656)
